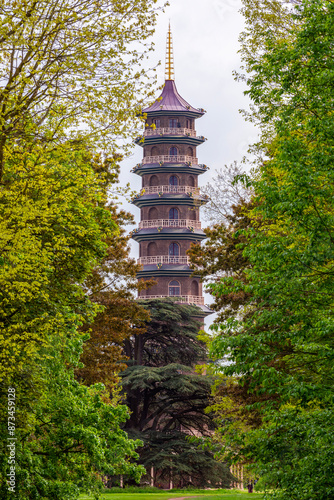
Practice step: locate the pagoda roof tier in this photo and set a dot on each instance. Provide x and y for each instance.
(168, 199)
(169, 139)
(170, 102)
(151, 271)
(205, 310)
(152, 233)
(155, 168)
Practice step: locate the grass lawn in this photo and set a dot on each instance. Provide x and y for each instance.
(165, 495)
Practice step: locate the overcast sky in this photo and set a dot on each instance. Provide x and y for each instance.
(205, 38)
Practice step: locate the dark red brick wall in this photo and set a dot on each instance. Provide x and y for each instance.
(163, 179)
(162, 247)
(164, 122)
(189, 285)
(161, 288)
(163, 149)
(162, 212)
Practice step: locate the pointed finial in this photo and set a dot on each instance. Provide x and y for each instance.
(169, 71)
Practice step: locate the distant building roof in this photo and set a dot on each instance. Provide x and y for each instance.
(170, 100)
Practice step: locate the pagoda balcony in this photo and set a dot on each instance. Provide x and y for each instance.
(164, 259)
(169, 131)
(188, 299)
(190, 190)
(191, 160)
(160, 223)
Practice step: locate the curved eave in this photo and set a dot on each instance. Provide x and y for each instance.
(205, 310)
(151, 271)
(168, 233)
(155, 168)
(169, 139)
(168, 199)
(165, 112)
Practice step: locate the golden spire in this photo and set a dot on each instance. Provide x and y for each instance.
(169, 71)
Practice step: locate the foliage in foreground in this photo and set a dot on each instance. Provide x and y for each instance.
(54, 227)
(280, 341)
(65, 91)
(71, 71)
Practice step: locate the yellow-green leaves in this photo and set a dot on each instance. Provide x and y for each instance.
(71, 84)
(71, 70)
(51, 236)
(282, 350)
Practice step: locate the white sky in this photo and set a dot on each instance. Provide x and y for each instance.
(205, 39)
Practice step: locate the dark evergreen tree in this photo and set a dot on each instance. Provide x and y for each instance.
(168, 398)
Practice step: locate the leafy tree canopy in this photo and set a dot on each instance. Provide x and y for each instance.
(70, 75)
(71, 70)
(283, 346)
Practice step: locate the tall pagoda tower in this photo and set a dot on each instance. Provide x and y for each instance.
(170, 197)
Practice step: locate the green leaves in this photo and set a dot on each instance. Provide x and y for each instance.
(280, 345)
(72, 71)
(52, 233)
(71, 84)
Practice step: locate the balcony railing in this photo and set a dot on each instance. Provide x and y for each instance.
(170, 131)
(160, 223)
(164, 259)
(189, 299)
(170, 159)
(170, 189)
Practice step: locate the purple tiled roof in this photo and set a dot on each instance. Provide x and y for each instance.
(170, 100)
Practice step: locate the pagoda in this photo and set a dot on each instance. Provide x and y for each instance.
(170, 198)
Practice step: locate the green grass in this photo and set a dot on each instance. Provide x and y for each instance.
(165, 495)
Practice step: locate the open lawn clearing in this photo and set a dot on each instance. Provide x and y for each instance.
(164, 495)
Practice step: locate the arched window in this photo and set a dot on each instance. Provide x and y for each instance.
(190, 151)
(152, 249)
(174, 250)
(154, 181)
(191, 181)
(192, 214)
(153, 213)
(173, 214)
(194, 288)
(173, 183)
(173, 151)
(174, 289)
(154, 151)
(173, 180)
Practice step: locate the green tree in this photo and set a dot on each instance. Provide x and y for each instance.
(71, 70)
(262, 17)
(53, 227)
(72, 437)
(167, 398)
(64, 83)
(233, 406)
(283, 346)
(54, 234)
(70, 83)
